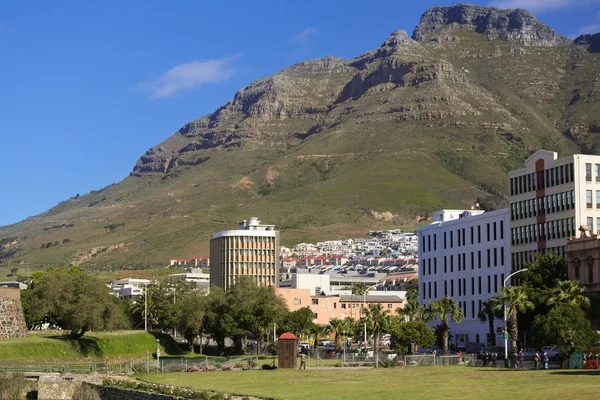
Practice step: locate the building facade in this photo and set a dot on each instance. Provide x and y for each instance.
(251, 250)
(549, 199)
(465, 255)
(583, 261)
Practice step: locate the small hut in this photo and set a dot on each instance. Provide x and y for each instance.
(287, 347)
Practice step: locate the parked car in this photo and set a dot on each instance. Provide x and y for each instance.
(324, 342)
(552, 353)
(303, 344)
(529, 353)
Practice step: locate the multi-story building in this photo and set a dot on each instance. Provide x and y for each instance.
(549, 199)
(583, 260)
(465, 255)
(251, 250)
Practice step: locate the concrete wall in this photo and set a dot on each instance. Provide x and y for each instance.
(12, 321)
(61, 386)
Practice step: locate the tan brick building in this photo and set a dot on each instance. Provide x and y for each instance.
(251, 250)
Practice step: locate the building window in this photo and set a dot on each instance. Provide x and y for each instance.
(489, 283)
(315, 316)
(472, 285)
(588, 198)
(597, 172)
(434, 242)
(334, 305)
(472, 236)
(315, 301)
(590, 263)
(435, 289)
(495, 283)
(576, 265)
(590, 223)
(344, 305)
(478, 233)
(588, 172)
(479, 281)
(390, 306)
(297, 301)
(452, 288)
(445, 288)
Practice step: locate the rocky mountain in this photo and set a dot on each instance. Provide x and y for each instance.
(333, 148)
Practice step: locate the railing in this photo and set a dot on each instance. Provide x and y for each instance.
(23, 366)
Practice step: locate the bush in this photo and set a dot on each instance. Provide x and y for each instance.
(86, 392)
(193, 368)
(227, 367)
(218, 365)
(208, 368)
(400, 363)
(13, 386)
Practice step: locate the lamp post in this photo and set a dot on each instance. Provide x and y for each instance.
(505, 332)
(364, 308)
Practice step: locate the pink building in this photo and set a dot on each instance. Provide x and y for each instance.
(325, 308)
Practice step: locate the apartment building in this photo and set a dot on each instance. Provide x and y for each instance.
(465, 254)
(251, 250)
(549, 199)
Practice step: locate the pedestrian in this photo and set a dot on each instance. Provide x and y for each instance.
(536, 360)
(302, 361)
(520, 354)
(546, 360)
(494, 358)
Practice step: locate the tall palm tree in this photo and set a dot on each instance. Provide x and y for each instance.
(489, 312)
(568, 292)
(447, 308)
(415, 312)
(518, 302)
(379, 319)
(317, 331)
(358, 289)
(338, 326)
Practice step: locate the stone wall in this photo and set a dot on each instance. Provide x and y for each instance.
(111, 393)
(53, 386)
(12, 321)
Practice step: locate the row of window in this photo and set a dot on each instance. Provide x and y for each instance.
(589, 199)
(546, 205)
(561, 228)
(589, 267)
(494, 258)
(493, 231)
(588, 172)
(520, 258)
(543, 179)
(494, 285)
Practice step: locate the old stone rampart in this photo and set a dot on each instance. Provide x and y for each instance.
(12, 320)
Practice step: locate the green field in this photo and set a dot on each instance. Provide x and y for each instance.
(101, 346)
(409, 383)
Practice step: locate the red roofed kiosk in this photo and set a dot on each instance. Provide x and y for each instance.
(287, 347)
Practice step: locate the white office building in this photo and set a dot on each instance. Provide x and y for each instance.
(549, 200)
(465, 254)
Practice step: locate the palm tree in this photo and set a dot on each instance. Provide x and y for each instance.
(489, 312)
(358, 289)
(415, 312)
(379, 318)
(338, 326)
(518, 302)
(318, 331)
(447, 308)
(568, 292)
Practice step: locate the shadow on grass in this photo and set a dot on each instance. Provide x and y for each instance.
(86, 346)
(168, 343)
(576, 372)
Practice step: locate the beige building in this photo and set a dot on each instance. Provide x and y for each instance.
(325, 308)
(548, 199)
(251, 250)
(583, 260)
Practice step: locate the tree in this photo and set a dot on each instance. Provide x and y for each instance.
(518, 302)
(566, 328)
(298, 321)
(568, 292)
(190, 315)
(489, 312)
(339, 326)
(446, 308)
(406, 336)
(378, 316)
(316, 331)
(358, 289)
(412, 310)
(73, 300)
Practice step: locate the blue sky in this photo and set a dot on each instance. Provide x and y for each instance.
(87, 87)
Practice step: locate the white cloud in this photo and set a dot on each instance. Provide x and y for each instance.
(302, 37)
(190, 75)
(540, 5)
(591, 28)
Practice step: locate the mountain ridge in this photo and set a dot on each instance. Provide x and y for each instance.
(333, 148)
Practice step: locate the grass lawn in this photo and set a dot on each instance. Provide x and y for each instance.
(410, 383)
(93, 346)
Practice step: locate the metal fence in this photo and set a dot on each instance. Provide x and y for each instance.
(24, 366)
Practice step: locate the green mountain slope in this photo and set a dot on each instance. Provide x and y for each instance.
(332, 148)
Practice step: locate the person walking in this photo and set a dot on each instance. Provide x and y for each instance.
(546, 360)
(536, 360)
(302, 360)
(520, 354)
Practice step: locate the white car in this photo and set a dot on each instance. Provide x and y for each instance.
(324, 342)
(552, 353)
(303, 344)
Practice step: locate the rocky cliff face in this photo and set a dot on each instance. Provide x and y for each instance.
(519, 26)
(591, 42)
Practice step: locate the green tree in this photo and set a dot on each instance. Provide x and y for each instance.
(73, 300)
(517, 300)
(566, 328)
(378, 316)
(489, 312)
(339, 326)
(568, 292)
(317, 331)
(358, 289)
(445, 309)
(406, 336)
(298, 321)
(191, 310)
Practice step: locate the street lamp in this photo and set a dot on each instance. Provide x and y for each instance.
(364, 308)
(505, 332)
